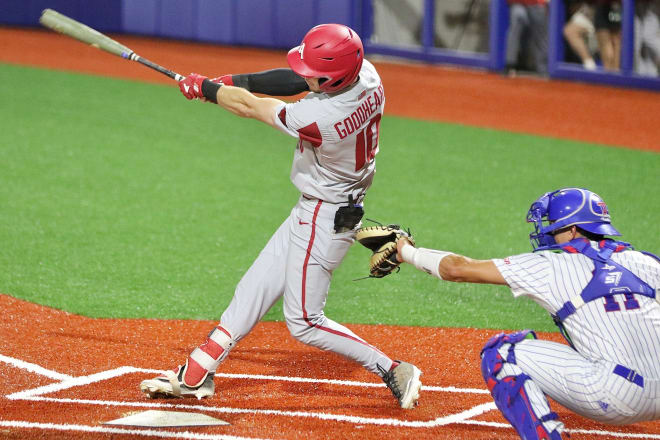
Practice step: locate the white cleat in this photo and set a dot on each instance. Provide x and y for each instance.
(403, 381)
(172, 385)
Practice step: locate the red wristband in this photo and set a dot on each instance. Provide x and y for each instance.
(227, 80)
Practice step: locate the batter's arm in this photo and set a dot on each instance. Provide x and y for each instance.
(243, 103)
(234, 99)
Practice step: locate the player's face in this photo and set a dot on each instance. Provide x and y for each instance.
(313, 84)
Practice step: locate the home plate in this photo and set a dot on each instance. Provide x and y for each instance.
(166, 419)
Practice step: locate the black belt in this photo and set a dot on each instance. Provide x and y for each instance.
(629, 375)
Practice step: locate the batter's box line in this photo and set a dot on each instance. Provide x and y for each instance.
(70, 382)
(462, 418)
(34, 368)
(440, 421)
(36, 394)
(22, 424)
(67, 381)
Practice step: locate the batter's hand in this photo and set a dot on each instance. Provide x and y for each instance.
(191, 86)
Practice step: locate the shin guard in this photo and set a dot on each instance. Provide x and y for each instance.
(509, 392)
(207, 357)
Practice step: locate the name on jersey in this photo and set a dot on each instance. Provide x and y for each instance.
(362, 114)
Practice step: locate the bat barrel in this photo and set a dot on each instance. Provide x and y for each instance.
(70, 27)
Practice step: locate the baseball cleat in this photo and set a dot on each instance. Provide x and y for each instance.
(403, 381)
(171, 385)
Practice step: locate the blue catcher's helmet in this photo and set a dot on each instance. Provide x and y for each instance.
(568, 207)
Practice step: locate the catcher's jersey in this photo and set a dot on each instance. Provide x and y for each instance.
(337, 138)
(629, 336)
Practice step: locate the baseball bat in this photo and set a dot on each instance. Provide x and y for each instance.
(72, 28)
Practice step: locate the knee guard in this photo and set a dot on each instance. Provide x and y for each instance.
(207, 357)
(509, 392)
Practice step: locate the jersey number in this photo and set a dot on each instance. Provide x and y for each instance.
(612, 305)
(366, 144)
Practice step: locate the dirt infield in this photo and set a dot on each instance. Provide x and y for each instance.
(64, 375)
(605, 115)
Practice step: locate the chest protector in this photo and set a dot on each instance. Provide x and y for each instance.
(609, 279)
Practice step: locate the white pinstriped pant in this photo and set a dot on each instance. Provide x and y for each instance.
(588, 388)
(298, 262)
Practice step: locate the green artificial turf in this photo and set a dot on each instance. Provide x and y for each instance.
(122, 199)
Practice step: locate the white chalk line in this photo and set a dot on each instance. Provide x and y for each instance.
(107, 430)
(614, 434)
(76, 381)
(33, 368)
(446, 420)
(69, 381)
(571, 431)
(347, 383)
(459, 418)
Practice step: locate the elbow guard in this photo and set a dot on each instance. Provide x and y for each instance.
(274, 82)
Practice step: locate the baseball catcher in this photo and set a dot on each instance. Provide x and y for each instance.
(601, 293)
(382, 241)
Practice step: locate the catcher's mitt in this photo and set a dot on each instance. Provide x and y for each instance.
(381, 240)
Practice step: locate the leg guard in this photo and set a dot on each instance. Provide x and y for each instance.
(509, 392)
(207, 357)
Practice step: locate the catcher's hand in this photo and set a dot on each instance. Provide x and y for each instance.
(382, 240)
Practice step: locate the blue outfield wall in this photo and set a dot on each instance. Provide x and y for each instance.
(281, 24)
(262, 23)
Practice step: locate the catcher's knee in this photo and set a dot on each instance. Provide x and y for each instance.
(508, 391)
(492, 357)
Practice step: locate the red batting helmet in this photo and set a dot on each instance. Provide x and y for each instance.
(332, 52)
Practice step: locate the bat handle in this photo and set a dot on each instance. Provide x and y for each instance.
(135, 57)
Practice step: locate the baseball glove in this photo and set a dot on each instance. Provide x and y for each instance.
(381, 240)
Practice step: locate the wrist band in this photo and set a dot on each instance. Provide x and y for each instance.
(408, 253)
(427, 260)
(210, 90)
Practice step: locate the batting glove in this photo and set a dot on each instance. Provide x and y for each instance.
(191, 86)
(224, 79)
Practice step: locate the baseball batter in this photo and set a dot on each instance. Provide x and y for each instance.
(604, 297)
(337, 129)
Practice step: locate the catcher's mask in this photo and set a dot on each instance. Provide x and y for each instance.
(567, 207)
(331, 52)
